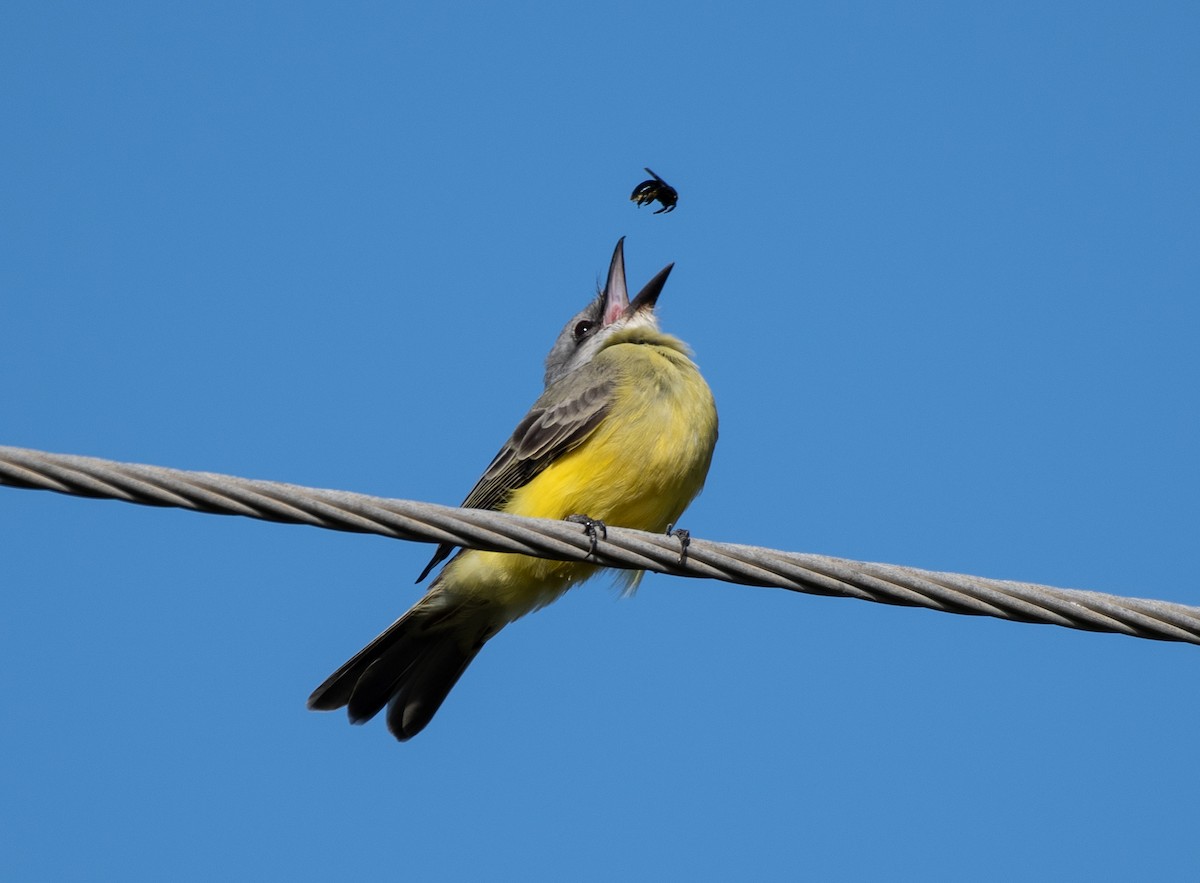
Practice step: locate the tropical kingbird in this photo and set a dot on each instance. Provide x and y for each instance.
(623, 434)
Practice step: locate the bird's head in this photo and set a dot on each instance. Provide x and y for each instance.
(609, 312)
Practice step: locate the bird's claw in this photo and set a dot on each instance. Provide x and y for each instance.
(685, 540)
(596, 530)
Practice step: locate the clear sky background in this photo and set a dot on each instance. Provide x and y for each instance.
(940, 266)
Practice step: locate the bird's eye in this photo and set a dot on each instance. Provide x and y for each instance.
(583, 329)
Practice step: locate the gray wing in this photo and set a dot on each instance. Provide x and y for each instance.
(559, 421)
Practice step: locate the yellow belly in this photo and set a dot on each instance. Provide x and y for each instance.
(640, 468)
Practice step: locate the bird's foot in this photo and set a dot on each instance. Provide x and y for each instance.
(685, 540)
(596, 530)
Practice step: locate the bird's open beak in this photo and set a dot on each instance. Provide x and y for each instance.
(616, 294)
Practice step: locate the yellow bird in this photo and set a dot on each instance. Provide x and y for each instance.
(622, 434)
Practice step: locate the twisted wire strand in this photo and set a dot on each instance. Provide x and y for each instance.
(495, 531)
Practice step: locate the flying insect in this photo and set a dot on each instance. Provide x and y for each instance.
(655, 189)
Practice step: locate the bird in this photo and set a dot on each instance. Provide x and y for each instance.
(622, 434)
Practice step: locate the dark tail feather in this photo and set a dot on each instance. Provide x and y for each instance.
(411, 668)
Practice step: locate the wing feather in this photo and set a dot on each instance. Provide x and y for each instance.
(559, 421)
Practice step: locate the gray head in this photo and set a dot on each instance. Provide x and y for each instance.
(611, 310)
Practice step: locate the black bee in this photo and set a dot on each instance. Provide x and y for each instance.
(656, 188)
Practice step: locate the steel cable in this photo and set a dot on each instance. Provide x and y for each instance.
(482, 529)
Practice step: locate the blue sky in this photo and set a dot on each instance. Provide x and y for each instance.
(939, 266)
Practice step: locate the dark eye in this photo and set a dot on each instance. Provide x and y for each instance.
(583, 329)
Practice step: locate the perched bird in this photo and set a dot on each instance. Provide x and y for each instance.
(656, 188)
(622, 434)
